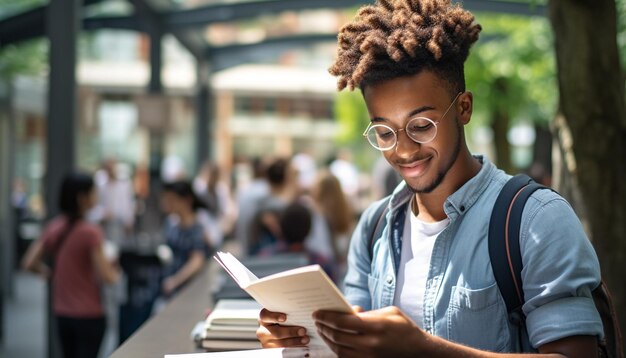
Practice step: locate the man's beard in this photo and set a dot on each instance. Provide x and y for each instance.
(442, 173)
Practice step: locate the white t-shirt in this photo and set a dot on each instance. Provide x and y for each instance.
(415, 264)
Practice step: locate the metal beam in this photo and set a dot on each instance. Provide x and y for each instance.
(150, 22)
(118, 23)
(150, 18)
(156, 60)
(204, 114)
(232, 55)
(191, 40)
(24, 26)
(29, 24)
(206, 15)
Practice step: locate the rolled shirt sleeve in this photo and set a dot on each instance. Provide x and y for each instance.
(560, 271)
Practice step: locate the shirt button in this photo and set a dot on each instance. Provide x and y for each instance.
(389, 279)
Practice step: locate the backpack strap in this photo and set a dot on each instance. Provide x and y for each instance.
(504, 246)
(379, 216)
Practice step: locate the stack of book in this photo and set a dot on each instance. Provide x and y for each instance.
(232, 325)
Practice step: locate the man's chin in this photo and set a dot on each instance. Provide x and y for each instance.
(425, 186)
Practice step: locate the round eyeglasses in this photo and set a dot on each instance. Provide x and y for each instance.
(420, 129)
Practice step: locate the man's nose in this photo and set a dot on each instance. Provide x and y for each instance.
(405, 146)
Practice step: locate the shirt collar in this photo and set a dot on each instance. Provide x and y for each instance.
(461, 200)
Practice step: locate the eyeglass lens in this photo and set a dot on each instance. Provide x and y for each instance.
(419, 129)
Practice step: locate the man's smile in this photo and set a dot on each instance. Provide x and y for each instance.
(415, 168)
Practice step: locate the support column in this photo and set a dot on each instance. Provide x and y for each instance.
(63, 26)
(204, 114)
(156, 59)
(7, 228)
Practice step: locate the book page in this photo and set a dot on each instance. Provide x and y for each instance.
(300, 352)
(298, 293)
(235, 269)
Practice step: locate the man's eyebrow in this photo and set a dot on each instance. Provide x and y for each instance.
(409, 115)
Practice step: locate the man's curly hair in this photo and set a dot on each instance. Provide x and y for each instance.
(395, 38)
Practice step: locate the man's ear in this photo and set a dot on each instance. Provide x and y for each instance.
(465, 106)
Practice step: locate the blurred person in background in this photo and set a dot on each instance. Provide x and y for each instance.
(344, 169)
(116, 202)
(220, 214)
(307, 170)
(19, 199)
(248, 202)
(173, 169)
(296, 222)
(184, 235)
(283, 189)
(384, 179)
(141, 187)
(79, 267)
(331, 202)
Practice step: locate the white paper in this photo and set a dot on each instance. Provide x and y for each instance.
(300, 352)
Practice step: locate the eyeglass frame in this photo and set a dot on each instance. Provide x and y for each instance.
(395, 132)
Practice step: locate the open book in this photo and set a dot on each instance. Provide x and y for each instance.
(297, 293)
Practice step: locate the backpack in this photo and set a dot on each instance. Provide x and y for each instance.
(506, 263)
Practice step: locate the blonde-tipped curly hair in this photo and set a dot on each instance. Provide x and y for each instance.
(396, 38)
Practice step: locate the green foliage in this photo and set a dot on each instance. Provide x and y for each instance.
(351, 115)
(24, 58)
(516, 52)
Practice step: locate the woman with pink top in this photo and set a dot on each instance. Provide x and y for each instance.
(79, 267)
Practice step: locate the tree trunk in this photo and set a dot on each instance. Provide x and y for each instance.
(500, 127)
(591, 127)
(541, 167)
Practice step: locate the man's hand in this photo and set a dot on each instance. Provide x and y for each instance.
(273, 335)
(386, 332)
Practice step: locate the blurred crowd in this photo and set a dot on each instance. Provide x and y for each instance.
(149, 236)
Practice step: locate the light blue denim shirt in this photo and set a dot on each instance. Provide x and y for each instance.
(462, 302)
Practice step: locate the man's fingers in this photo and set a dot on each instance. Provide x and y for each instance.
(357, 309)
(269, 317)
(290, 342)
(338, 349)
(341, 321)
(284, 332)
(277, 336)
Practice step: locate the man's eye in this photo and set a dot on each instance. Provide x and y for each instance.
(385, 134)
(420, 126)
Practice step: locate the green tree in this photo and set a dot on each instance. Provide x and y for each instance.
(511, 72)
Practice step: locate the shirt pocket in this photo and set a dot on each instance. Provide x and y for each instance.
(477, 318)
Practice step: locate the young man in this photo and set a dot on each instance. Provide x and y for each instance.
(426, 288)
